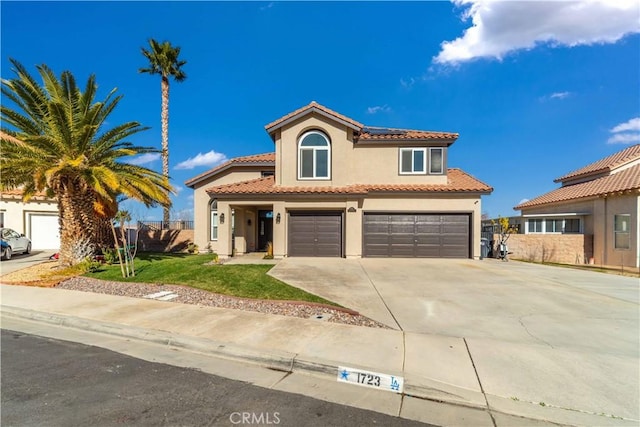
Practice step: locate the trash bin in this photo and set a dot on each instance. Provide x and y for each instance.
(484, 248)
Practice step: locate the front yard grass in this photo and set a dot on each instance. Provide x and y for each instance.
(245, 281)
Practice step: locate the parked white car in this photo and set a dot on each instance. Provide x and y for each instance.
(14, 243)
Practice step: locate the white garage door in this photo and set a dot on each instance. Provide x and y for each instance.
(45, 231)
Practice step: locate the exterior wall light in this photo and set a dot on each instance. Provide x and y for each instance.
(278, 218)
(222, 218)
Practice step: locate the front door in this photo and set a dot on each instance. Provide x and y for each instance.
(265, 229)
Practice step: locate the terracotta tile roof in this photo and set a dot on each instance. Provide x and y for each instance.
(605, 165)
(623, 181)
(311, 106)
(377, 133)
(255, 159)
(458, 181)
(16, 193)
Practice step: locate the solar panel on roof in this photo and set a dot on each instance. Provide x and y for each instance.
(383, 131)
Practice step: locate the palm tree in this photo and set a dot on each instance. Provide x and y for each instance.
(163, 60)
(57, 143)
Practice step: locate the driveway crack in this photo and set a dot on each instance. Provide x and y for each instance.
(531, 335)
(380, 296)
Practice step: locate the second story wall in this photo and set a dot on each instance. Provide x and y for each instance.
(348, 162)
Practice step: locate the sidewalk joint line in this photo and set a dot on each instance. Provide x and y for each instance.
(493, 420)
(379, 295)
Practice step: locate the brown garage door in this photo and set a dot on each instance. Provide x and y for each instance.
(416, 235)
(315, 234)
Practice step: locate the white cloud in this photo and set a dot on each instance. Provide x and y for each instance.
(500, 27)
(268, 6)
(624, 138)
(207, 159)
(522, 201)
(407, 83)
(190, 197)
(633, 124)
(559, 95)
(378, 109)
(178, 188)
(625, 133)
(144, 159)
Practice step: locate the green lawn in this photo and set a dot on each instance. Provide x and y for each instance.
(246, 281)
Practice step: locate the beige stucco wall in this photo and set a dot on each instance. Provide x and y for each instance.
(201, 200)
(360, 163)
(600, 224)
(352, 220)
(15, 212)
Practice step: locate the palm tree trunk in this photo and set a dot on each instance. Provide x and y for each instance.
(77, 221)
(165, 140)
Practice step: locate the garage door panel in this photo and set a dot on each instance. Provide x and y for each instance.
(315, 234)
(44, 231)
(416, 235)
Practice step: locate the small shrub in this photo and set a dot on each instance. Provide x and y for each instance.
(269, 254)
(110, 256)
(88, 265)
(215, 257)
(192, 248)
(210, 249)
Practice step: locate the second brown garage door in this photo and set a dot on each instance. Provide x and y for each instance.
(416, 235)
(315, 234)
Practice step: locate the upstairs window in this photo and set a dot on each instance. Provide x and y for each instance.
(413, 161)
(314, 156)
(436, 161)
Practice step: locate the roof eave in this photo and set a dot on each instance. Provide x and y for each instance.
(191, 183)
(447, 141)
(271, 129)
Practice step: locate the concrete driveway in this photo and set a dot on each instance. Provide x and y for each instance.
(534, 333)
(20, 261)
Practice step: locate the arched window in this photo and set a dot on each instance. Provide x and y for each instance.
(214, 220)
(314, 156)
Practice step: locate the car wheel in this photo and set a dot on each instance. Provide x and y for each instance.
(7, 253)
(28, 251)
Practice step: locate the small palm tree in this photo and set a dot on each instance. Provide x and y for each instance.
(57, 143)
(163, 60)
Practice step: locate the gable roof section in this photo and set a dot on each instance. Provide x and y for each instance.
(313, 107)
(16, 194)
(605, 165)
(624, 181)
(362, 132)
(458, 182)
(266, 159)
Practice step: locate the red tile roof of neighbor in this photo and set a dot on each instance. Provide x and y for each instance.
(619, 182)
(367, 133)
(605, 165)
(16, 193)
(255, 159)
(458, 181)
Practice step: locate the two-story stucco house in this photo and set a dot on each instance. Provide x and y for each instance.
(337, 188)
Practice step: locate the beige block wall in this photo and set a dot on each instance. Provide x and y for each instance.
(560, 248)
(165, 240)
(15, 212)
(360, 163)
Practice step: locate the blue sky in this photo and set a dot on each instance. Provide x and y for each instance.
(535, 89)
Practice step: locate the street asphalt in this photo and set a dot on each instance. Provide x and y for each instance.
(522, 341)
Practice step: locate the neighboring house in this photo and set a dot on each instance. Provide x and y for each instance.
(600, 203)
(37, 219)
(337, 188)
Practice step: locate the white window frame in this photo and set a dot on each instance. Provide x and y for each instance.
(542, 225)
(213, 221)
(543, 228)
(315, 150)
(413, 150)
(617, 232)
(441, 161)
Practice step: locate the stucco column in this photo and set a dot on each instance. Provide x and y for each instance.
(279, 230)
(353, 230)
(224, 230)
(477, 228)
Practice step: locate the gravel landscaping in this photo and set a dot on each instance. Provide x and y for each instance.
(188, 295)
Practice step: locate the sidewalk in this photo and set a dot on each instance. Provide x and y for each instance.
(435, 368)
